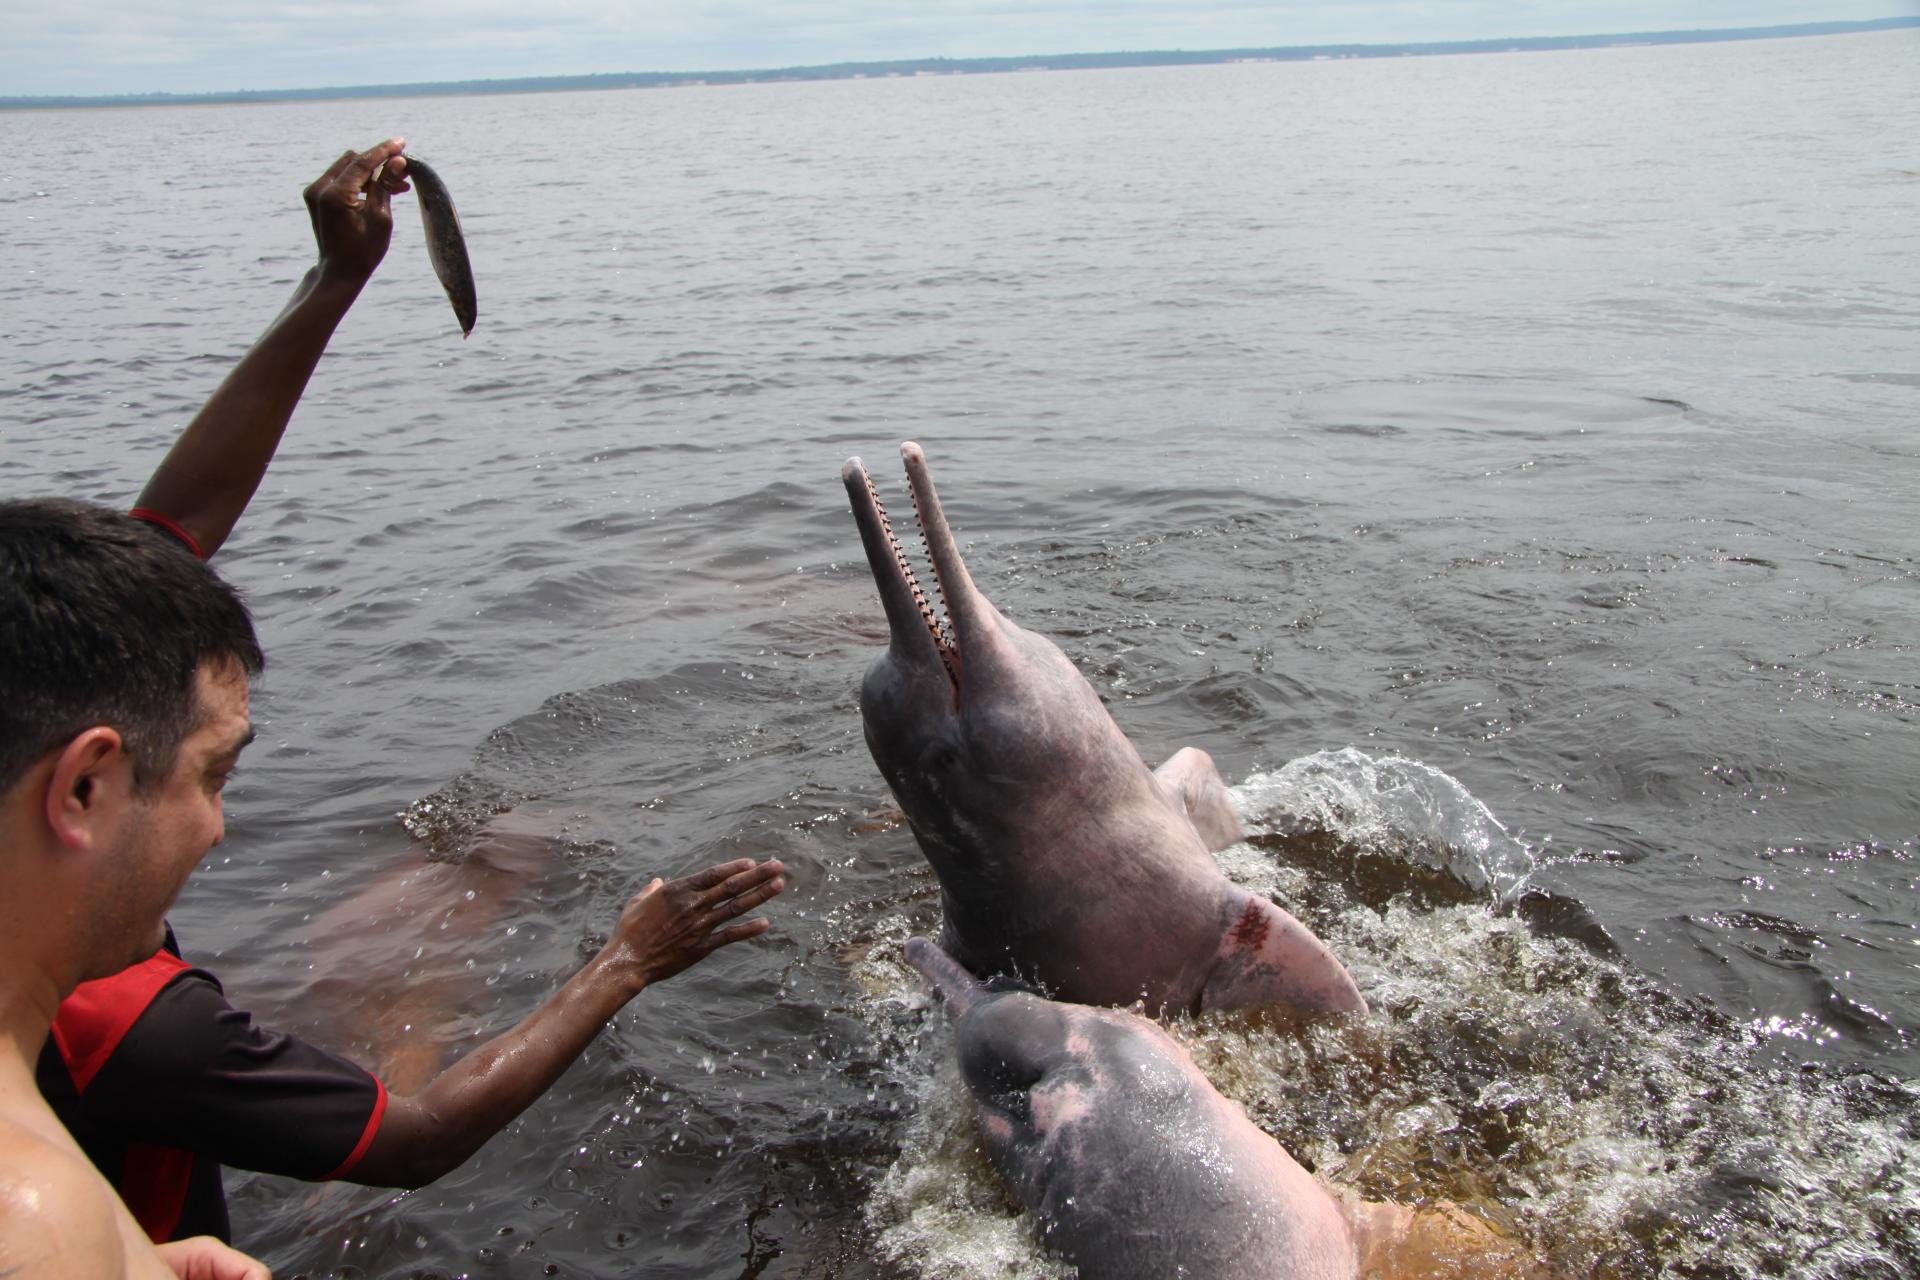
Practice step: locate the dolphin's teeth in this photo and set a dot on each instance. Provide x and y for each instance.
(941, 634)
(944, 635)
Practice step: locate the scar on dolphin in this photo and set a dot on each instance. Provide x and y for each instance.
(1062, 859)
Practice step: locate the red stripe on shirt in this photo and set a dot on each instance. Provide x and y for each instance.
(93, 1020)
(172, 526)
(153, 1183)
(366, 1134)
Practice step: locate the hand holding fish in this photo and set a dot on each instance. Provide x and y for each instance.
(350, 205)
(210, 474)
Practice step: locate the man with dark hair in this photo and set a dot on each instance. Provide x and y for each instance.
(75, 655)
(160, 1079)
(123, 706)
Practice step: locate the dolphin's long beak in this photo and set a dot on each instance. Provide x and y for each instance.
(957, 988)
(970, 613)
(918, 632)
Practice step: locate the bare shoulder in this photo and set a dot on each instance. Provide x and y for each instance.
(57, 1216)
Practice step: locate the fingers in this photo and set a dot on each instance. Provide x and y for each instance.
(704, 880)
(750, 885)
(205, 1258)
(379, 200)
(754, 875)
(360, 168)
(350, 175)
(721, 892)
(687, 913)
(312, 194)
(738, 904)
(670, 925)
(736, 896)
(735, 933)
(390, 179)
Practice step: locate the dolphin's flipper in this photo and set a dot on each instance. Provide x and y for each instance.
(1195, 785)
(1268, 957)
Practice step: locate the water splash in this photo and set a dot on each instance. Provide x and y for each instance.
(1389, 804)
(1545, 1087)
(940, 1212)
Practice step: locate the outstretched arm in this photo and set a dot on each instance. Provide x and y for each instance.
(210, 474)
(662, 931)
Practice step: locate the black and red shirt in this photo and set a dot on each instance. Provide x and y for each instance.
(161, 1082)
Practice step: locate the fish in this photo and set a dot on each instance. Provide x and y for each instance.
(446, 246)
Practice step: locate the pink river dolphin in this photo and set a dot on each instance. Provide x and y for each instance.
(1063, 860)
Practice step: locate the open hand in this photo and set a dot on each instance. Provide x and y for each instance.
(673, 924)
(205, 1258)
(351, 210)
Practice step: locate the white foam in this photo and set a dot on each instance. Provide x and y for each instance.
(1553, 1092)
(1388, 801)
(940, 1210)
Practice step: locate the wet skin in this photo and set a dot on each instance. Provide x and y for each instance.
(1131, 1162)
(1062, 859)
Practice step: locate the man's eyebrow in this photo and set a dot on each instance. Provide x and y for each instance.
(242, 744)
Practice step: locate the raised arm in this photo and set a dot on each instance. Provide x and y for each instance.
(662, 931)
(210, 474)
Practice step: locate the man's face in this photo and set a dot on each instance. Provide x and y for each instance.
(172, 825)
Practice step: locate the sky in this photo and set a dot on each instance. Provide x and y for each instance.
(80, 47)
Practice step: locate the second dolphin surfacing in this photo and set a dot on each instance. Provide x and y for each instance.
(1062, 859)
(1131, 1163)
(1135, 1167)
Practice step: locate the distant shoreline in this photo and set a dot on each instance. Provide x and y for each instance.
(912, 67)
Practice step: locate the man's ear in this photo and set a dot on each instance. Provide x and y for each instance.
(91, 775)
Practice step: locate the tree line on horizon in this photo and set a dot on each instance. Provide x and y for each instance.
(952, 66)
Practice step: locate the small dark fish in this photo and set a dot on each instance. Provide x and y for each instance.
(446, 247)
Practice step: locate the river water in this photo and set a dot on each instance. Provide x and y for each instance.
(1504, 465)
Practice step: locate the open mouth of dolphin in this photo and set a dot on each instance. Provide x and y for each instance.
(918, 628)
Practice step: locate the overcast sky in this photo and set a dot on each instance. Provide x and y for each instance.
(190, 46)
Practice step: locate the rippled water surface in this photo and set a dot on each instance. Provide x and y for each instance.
(1505, 466)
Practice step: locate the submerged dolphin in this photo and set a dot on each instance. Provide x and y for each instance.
(1135, 1167)
(1061, 858)
(446, 245)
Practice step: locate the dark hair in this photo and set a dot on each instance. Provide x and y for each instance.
(106, 620)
